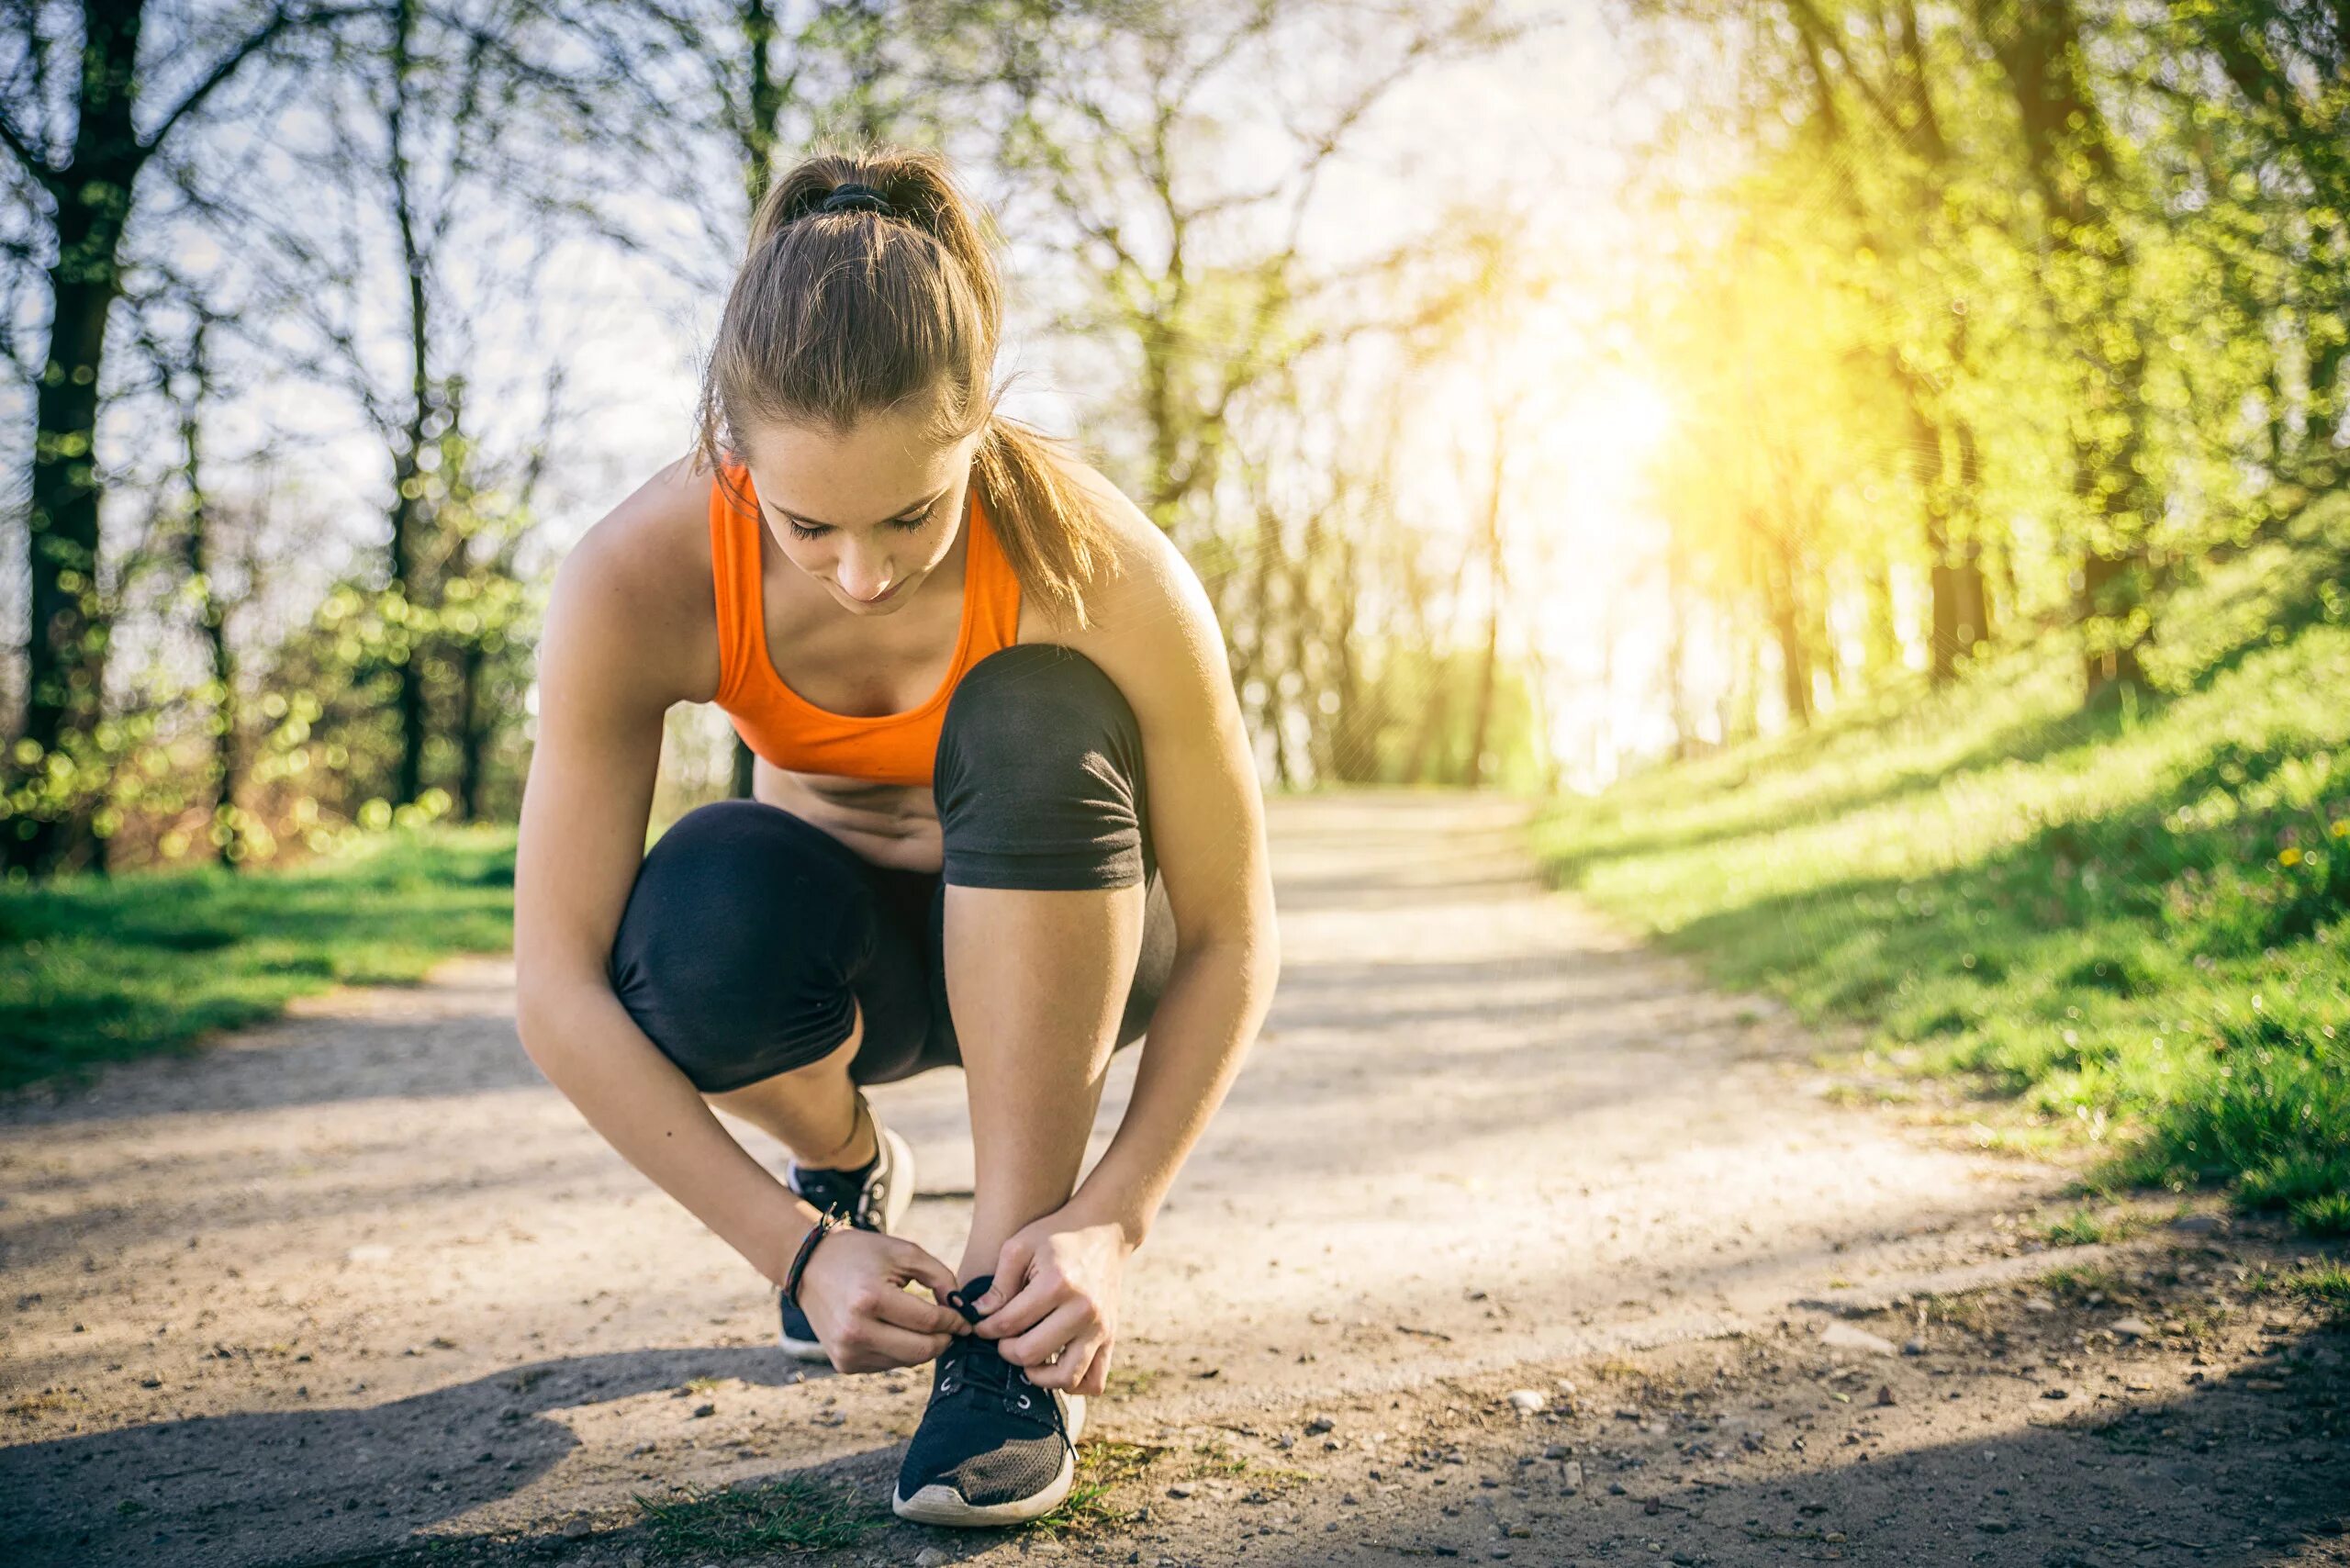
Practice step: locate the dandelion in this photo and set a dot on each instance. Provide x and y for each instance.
(2342, 828)
(2288, 856)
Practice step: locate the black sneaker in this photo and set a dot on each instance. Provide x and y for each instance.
(993, 1448)
(875, 1198)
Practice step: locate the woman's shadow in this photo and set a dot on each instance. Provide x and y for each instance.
(321, 1485)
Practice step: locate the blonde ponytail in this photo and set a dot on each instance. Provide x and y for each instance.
(838, 315)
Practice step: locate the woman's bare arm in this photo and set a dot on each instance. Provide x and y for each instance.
(610, 668)
(1055, 1281)
(1159, 641)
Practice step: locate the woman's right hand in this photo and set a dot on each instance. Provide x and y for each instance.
(854, 1293)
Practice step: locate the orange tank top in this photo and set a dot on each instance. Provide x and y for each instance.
(786, 728)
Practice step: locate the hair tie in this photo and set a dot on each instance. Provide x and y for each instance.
(857, 198)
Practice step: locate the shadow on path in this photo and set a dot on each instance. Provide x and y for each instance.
(220, 1489)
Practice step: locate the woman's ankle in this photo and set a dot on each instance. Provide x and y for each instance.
(860, 1148)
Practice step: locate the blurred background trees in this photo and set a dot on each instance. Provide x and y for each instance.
(1861, 341)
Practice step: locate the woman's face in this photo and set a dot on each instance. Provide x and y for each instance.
(869, 513)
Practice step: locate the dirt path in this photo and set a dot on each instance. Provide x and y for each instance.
(358, 1286)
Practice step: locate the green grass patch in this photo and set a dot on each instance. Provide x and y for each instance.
(2087, 1226)
(2325, 1286)
(2134, 922)
(793, 1514)
(1104, 1466)
(95, 970)
(2076, 1284)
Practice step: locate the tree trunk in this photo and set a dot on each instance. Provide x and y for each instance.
(766, 98)
(212, 617)
(1494, 586)
(2041, 49)
(1783, 581)
(410, 514)
(471, 738)
(67, 635)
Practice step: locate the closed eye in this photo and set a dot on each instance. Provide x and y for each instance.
(918, 521)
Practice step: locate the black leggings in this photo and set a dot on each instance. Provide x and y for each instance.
(751, 932)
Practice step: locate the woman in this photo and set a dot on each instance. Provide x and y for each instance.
(1005, 815)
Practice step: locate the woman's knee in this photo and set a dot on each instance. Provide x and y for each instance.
(1039, 775)
(732, 952)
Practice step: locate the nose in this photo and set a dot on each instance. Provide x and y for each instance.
(865, 578)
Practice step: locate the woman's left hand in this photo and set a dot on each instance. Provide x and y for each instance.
(1053, 1302)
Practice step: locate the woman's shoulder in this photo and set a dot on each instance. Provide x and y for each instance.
(646, 564)
(1145, 568)
(1151, 619)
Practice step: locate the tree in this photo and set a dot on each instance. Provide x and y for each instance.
(84, 151)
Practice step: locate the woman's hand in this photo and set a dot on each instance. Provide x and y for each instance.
(854, 1293)
(1053, 1301)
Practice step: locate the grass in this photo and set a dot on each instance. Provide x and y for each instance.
(794, 1514)
(1104, 1465)
(2090, 1227)
(95, 970)
(797, 1513)
(2079, 1284)
(2325, 1286)
(2320, 1284)
(2132, 922)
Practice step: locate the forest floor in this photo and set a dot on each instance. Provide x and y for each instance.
(1516, 1241)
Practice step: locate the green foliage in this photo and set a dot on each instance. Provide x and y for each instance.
(2031, 305)
(2135, 920)
(94, 968)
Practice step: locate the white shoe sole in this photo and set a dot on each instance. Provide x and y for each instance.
(900, 1198)
(944, 1505)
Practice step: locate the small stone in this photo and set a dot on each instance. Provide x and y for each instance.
(702, 1410)
(1179, 1491)
(1913, 1347)
(2134, 1327)
(1555, 1450)
(1574, 1476)
(1526, 1401)
(2055, 1393)
(1319, 1424)
(2195, 1225)
(1884, 1393)
(929, 1557)
(1844, 1337)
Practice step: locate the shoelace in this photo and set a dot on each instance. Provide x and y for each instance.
(842, 1190)
(978, 1364)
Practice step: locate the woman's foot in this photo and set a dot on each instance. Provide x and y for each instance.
(993, 1448)
(875, 1198)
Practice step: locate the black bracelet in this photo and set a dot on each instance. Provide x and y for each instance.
(833, 1220)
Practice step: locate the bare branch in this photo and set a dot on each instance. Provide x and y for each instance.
(283, 22)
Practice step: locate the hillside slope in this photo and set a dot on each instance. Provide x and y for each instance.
(2138, 919)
